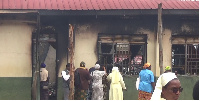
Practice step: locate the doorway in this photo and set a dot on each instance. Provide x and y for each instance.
(47, 54)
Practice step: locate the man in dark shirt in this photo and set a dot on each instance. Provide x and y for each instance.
(82, 88)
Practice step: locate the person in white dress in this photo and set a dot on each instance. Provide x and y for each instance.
(97, 86)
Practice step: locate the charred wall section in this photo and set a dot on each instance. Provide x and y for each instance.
(87, 28)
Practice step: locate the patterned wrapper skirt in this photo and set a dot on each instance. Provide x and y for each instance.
(80, 94)
(105, 88)
(144, 95)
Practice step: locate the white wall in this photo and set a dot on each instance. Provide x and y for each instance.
(15, 49)
(167, 48)
(151, 48)
(85, 49)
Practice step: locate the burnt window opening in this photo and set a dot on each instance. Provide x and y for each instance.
(122, 57)
(129, 58)
(185, 58)
(127, 52)
(137, 58)
(106, 48)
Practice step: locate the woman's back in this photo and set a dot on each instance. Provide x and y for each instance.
(146, 78)
(145, 75)
(97, 77)
(97, 85)
(117, 83)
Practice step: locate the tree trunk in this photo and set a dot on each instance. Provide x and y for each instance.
(160, 37)
(71, 50)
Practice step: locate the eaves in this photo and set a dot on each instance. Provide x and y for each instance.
(194, 12)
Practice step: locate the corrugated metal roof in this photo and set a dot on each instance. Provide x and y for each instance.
(96, 4)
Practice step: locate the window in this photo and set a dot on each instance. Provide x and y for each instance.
(126, 52)
(185, 58)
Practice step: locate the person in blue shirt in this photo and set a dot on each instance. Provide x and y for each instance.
(146, 85)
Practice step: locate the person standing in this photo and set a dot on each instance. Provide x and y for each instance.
(116, 85)
(146, 84)
(168, 87)
(81, 89)
(97, 86)
(44, 80)
(66, 81)
(168, 69)
(91, 70)
(105, 83)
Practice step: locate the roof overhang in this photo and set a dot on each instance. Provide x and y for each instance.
(17, 11)
(194, 12)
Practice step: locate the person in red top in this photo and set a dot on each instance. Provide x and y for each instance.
(82, 89)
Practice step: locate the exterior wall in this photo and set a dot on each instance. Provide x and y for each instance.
(85, 48)
(184, 28)
(87, 29)
(15, 54)
(15, 60)
(167, 48)
(187, 41)
(15, 88)
(151, 49)
(15, 51)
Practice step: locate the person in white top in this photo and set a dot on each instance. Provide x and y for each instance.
(97, 85)
(168, 87)
(116, 85)
(66, 81)
(44, 79)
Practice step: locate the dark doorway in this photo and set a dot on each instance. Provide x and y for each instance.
(47, 55)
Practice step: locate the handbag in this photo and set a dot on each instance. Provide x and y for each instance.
(137, 83)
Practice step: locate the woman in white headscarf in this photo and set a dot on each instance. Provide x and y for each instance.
(116, 85)
(168, 87)
(97, 86)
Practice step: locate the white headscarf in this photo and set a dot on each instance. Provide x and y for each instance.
(115, 75)
(97, 66)
(162, 81)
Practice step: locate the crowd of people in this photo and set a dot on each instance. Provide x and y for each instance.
(97, 84)
(167, 87)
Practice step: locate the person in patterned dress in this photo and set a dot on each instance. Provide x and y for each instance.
(97, 86)
(146, 85)
(81, 90)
